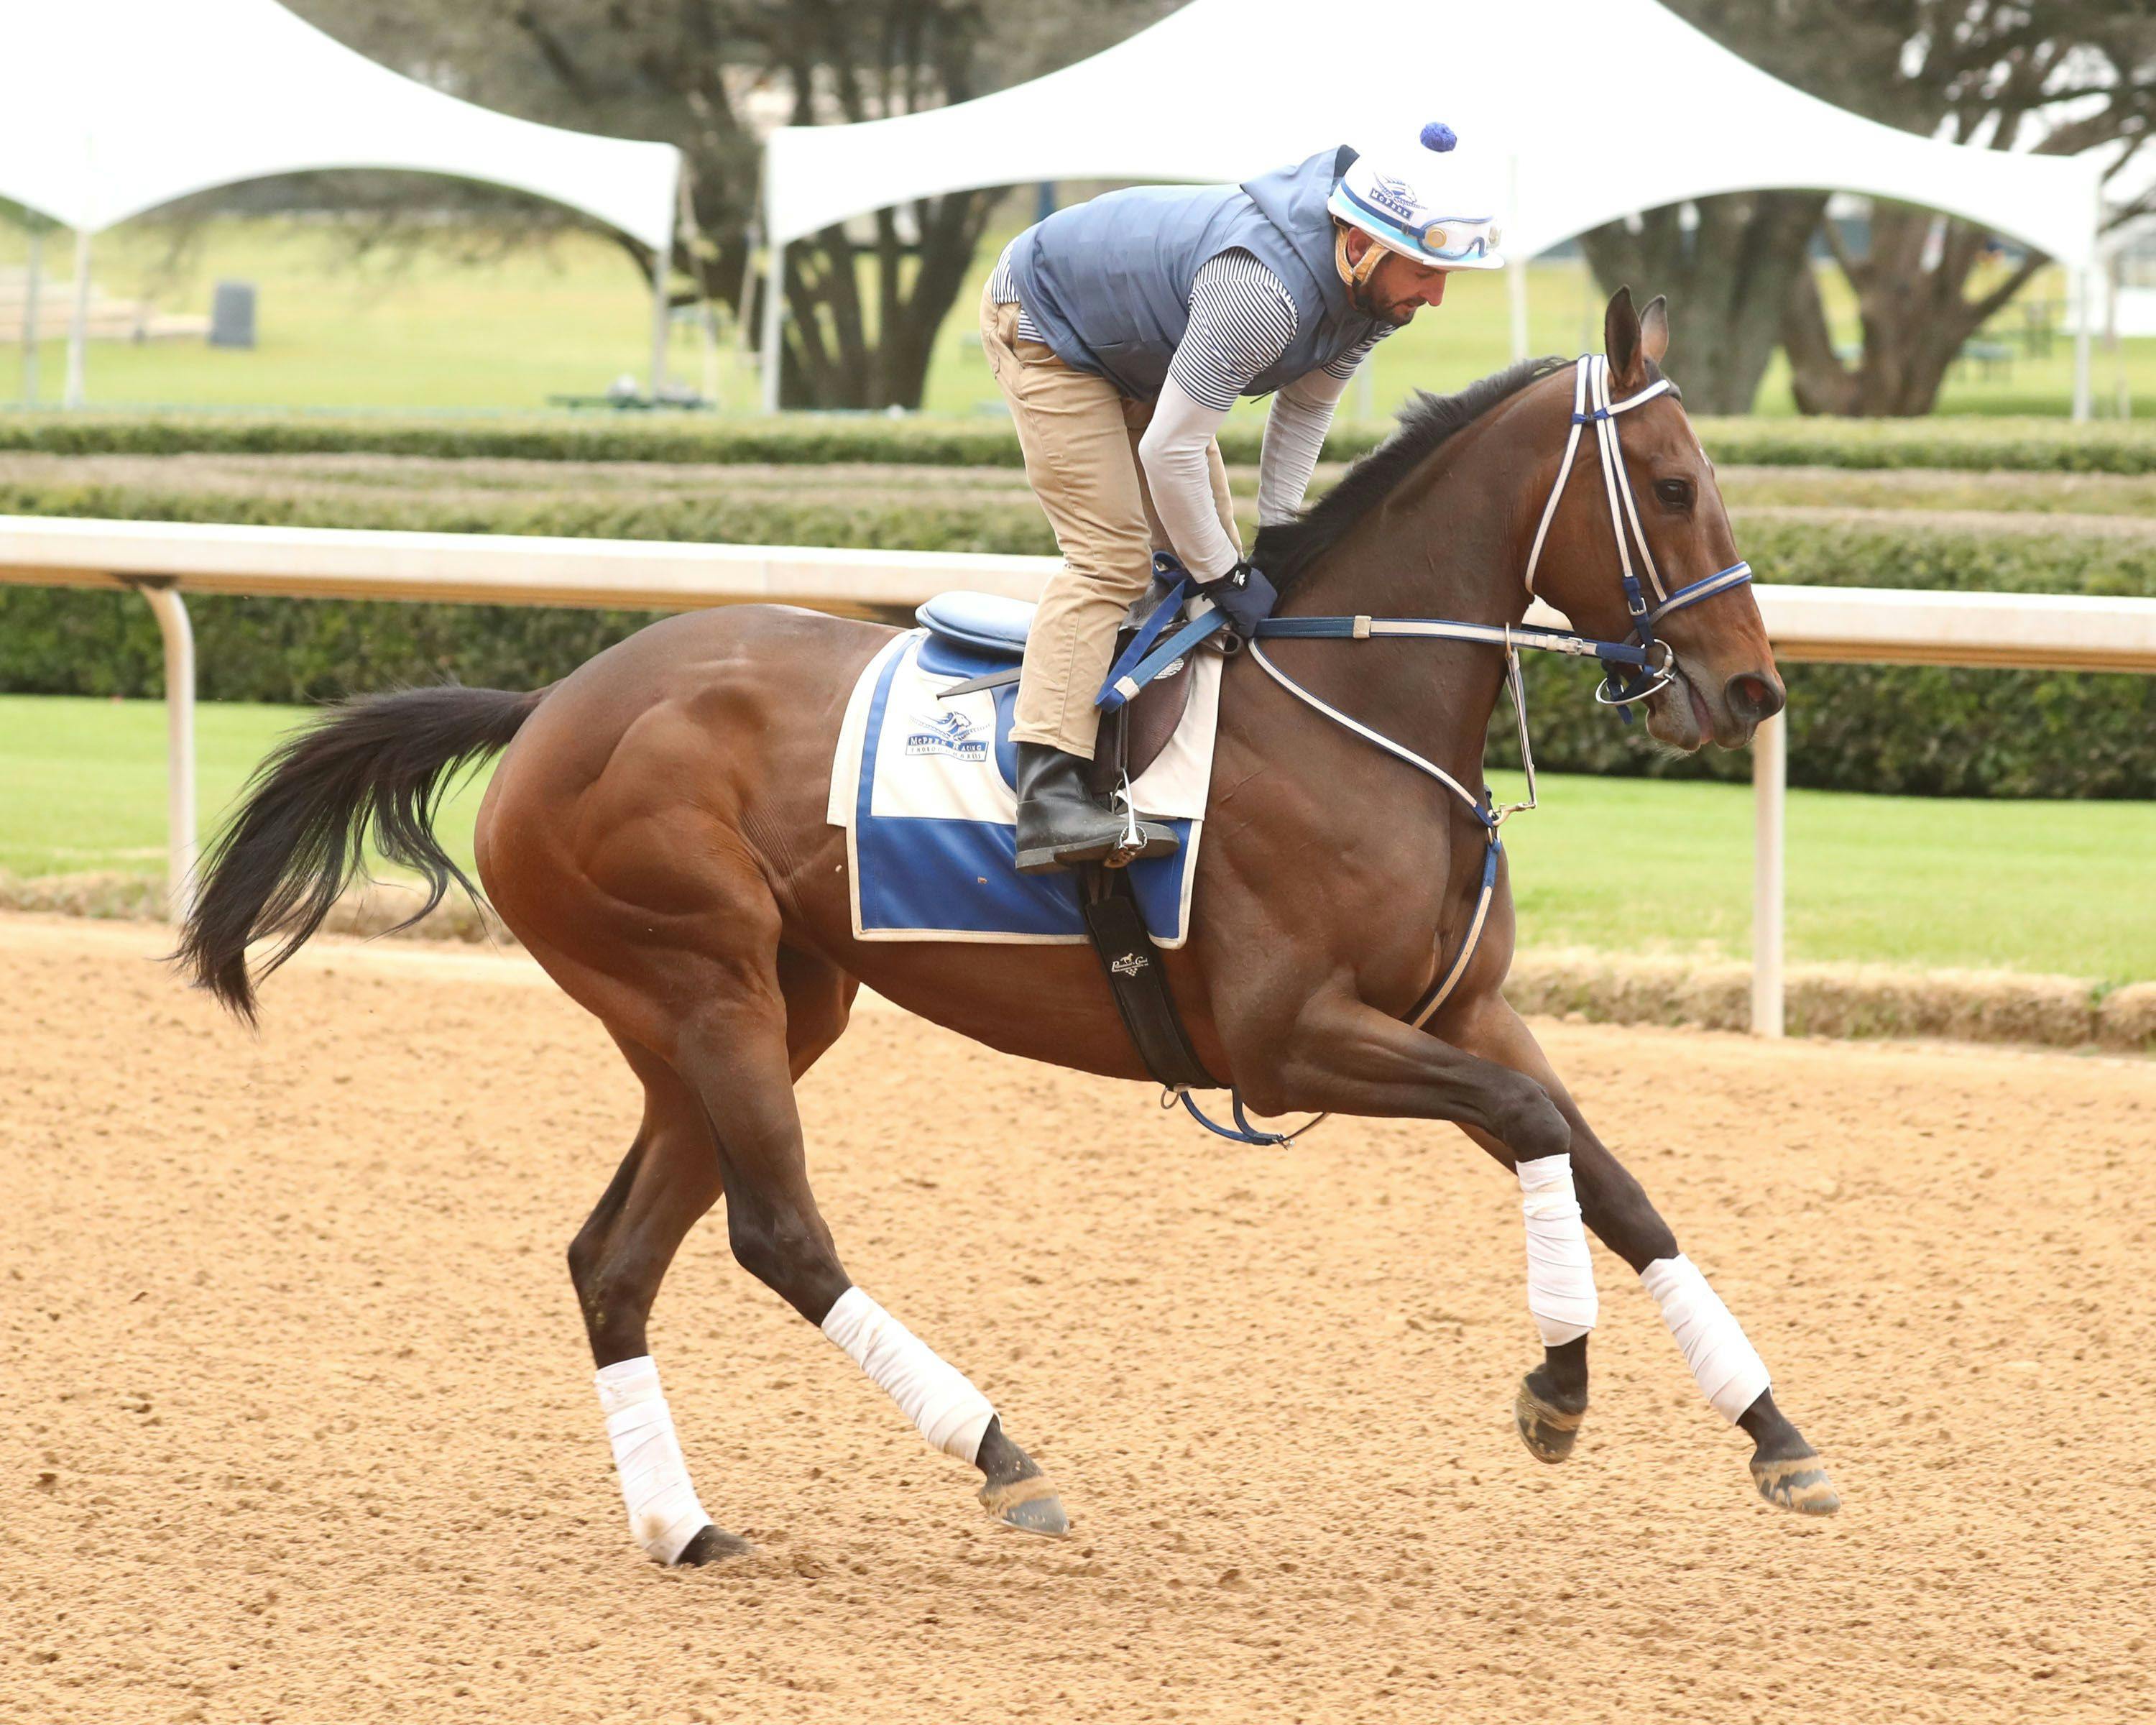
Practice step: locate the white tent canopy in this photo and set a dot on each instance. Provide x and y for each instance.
(117, 106)
(1580, 111)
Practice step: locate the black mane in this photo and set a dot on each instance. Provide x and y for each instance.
(1286, 550)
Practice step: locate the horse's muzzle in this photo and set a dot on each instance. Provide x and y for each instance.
(1693, 710)
(1753, 697)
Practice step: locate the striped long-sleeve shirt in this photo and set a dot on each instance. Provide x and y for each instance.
(1241, 320)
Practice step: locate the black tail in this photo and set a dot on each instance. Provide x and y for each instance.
(372, 767)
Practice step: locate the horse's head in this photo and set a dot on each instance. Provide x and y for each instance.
(1724, 682)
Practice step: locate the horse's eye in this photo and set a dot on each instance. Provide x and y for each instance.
(1677, 493)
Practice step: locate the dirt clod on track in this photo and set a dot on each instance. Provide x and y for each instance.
(298, 1419)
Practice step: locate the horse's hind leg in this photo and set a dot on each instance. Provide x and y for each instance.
(735, 1131)
(668, 1180)
(739, 1056)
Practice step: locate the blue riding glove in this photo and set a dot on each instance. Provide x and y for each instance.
(1244, 595)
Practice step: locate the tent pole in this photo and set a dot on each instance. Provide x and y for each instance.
(741, 336)
(662, 314)
(774, 289)
(78, 324)
(2087, 278)
(33, 272)
(2114, 280)
(1515, 286)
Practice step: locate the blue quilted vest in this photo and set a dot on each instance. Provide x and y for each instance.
(1108, 282)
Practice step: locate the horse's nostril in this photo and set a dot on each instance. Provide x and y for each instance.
(1753, 698)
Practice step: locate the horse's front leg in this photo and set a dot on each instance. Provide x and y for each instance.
(1785, 1468)
(1349, 1058)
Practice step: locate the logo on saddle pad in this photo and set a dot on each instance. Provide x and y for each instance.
(1130, 964)
(950, 735)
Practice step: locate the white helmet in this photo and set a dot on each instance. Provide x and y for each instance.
(1427, 211)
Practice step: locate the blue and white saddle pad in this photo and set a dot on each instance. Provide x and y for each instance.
(924, 788)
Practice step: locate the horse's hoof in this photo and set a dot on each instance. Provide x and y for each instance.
(1549, 1432)
(1031, 1505)
(1798, 1483)
(712, 1546)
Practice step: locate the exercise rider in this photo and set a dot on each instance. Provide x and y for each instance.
(1122, 330)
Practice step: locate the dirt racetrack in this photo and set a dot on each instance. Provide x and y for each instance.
(298, 1420)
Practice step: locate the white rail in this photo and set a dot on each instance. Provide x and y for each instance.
(164, 561)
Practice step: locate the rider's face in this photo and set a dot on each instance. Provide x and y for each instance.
(1398, 287)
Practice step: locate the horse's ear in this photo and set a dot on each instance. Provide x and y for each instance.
(1621, 341)
(1654, 329)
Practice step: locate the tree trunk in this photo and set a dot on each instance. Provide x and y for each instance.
(831, 357)
(1914, 316)
(1725, 281)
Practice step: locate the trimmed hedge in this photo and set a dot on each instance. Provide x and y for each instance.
(1967, 444)
(1910, 730)
(1916, 731)
(803, 517)
(74, 641)
(2041, 445)
(806, 439)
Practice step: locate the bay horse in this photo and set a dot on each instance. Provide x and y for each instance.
(656, 834)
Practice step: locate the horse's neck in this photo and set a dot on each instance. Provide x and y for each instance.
(1445, 545)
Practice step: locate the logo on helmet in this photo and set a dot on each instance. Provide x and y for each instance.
(1396, 196)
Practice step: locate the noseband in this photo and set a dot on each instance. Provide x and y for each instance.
(1633, 669)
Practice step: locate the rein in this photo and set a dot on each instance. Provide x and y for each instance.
(1650, 660)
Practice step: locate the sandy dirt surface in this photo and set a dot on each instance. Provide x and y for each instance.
(299, 1426)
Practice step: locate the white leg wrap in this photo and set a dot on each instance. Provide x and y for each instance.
(937, 1396)
(1560, 1278)
(1728, 1368)
(664, 1515)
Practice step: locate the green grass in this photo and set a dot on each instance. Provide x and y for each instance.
(82, 782)
(1624, 864)
(429, 331)
(1925, 882)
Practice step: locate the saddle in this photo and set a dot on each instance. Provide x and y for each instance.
(1131, 737)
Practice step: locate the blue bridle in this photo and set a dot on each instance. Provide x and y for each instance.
(1592, 405)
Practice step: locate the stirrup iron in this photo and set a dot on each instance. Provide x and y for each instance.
(1132, 845)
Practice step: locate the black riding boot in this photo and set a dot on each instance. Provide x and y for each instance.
(1060, 823)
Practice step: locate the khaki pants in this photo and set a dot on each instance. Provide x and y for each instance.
(1080, 434)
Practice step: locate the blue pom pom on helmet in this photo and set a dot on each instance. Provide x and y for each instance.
(1451, 227)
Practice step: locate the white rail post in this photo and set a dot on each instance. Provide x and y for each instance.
(171, 615)
(1770, 793)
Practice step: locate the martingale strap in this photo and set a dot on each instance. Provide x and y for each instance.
(1650, 662)
(1489, 818)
